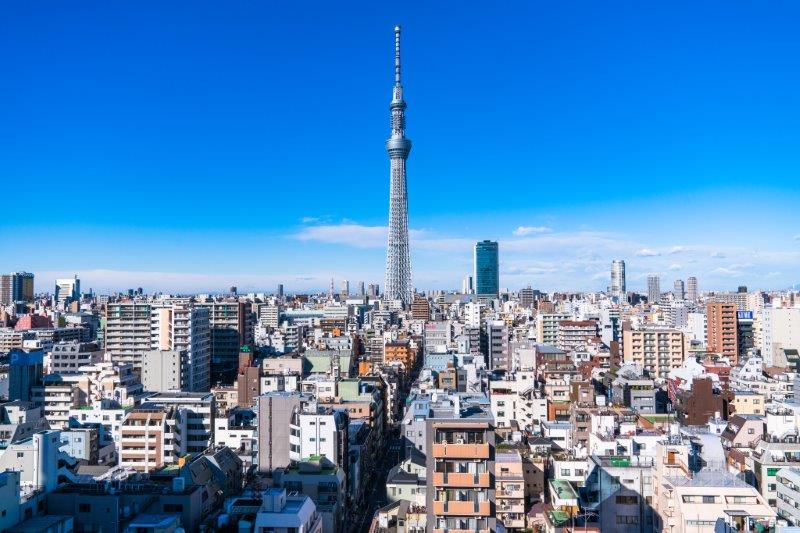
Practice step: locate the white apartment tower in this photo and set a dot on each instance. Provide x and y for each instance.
(618, 289)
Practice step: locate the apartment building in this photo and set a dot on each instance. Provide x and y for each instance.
(575, 334)
(460, 460)
(547, 327)
(510, 490)
(656, 350)
(721, 334)
(128, 332)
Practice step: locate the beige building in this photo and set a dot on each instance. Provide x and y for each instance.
(509, 489)
(142, 440)
(747, 402)
(657, 350)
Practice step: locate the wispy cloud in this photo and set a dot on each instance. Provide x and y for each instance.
(523, 231)
(647, 252)
(347, 234)
(674, 266)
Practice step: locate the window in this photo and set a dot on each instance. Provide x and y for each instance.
(709, 499)
(84, 508)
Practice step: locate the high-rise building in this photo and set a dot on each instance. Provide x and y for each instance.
(721, 336)
(467, 285)
(487, 269)
(186, 330)
(135, 328)
(496, 347)
(345, 292)
(678, 290)
(232, 326)
(691, 289)
(16, 287)
(280, 290)
(618, 289)
(653, 289)
(361, 291)
(68, 290)
(526, 297)
(373, 290)
(128, 333)
(745, 335)
(398, 256)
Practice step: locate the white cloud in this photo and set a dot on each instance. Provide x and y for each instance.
(523, 231)
(674, 266)
(647, 252)
(727, 272)
(677, 250)
(348, 234)
(718, 255)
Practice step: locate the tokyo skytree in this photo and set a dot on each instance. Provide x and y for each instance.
(398, 259)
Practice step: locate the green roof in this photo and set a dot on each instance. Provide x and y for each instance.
(563, 489)
(559, 517)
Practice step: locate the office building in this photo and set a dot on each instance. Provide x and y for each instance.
(487, 269)
(25, 369)
(618, 288)
(67, 291)
(16, 287)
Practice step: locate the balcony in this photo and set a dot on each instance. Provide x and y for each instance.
(464, 451)
(456, 508)
(461, 531)
(456, 479)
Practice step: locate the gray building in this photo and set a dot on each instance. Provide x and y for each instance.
(165, 370)
(275, 411)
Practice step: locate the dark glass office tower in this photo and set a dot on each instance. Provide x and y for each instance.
(487, 269)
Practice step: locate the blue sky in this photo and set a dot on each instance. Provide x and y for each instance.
(193, 146)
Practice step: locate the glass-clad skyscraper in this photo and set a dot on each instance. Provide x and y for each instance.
(487, 269)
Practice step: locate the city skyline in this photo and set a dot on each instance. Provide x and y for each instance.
(144, 141)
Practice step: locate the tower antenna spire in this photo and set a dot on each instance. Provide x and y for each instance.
(397, 55)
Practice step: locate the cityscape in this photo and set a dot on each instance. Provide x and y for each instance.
(619, 385)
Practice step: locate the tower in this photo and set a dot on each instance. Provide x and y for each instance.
(618, 288)
(653, 289)
(398, 259)
(487, 269)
